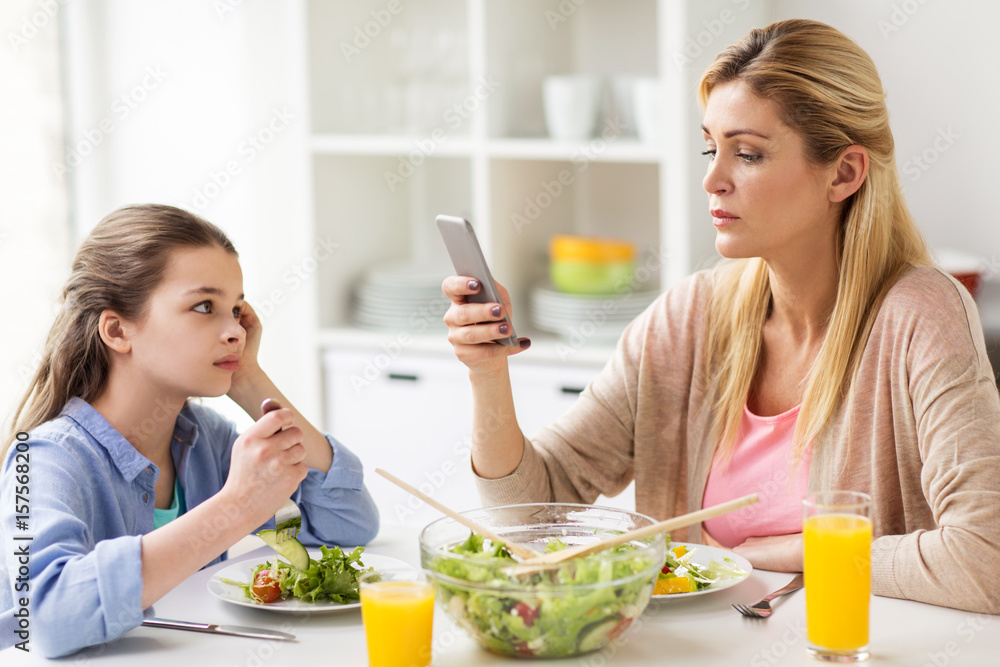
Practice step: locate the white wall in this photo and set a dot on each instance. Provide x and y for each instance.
(198, 104)
(34, 237)
(939, 64)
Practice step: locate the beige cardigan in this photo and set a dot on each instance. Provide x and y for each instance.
(921, 434)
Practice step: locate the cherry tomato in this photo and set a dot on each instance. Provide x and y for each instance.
(527, 613)
(266, 587)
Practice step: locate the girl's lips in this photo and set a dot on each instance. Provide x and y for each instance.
(230, 362)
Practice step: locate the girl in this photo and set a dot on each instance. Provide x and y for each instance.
(825, 353)
(134, 488)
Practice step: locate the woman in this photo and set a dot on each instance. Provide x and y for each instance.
(132, 487)
(825, 352)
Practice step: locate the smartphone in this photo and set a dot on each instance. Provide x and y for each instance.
(467, 256)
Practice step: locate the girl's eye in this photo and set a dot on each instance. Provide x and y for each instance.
(748, 158)
(203, 307)
(236, 312)
(710, 154)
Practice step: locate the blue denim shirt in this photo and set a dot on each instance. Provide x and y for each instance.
(92, 496)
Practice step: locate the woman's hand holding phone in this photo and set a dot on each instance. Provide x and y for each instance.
(470, 325)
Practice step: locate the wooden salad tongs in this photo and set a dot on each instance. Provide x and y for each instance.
(518, 550)
(640, 533)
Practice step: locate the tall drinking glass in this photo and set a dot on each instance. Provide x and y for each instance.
(397, 609)
(837, 531)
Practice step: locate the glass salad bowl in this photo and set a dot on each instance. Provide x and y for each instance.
(552, 611)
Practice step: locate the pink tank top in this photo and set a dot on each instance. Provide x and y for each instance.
(762, 464)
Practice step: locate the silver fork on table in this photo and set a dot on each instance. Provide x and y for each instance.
(763, 608)
(288, 518)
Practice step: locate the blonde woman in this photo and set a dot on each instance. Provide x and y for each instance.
(825, 352)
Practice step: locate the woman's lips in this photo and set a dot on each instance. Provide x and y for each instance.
(722, 217)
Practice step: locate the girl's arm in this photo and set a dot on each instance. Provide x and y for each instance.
(267, 466)
(251, 386)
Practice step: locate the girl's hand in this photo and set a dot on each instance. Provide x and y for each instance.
(248, 361)
(472, 327)
(778, 553)
(267, 465)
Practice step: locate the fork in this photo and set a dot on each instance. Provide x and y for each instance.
(763, 608)
(288, 518)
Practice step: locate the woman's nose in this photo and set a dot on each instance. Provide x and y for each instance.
(716, 181)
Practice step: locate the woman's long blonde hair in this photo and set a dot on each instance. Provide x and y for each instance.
(116, 268)
(828, 90)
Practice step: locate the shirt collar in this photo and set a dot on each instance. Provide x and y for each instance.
(125, 457)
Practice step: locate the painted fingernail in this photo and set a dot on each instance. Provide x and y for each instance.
(495, 311)
(504, 329)
(524, 342)
(474, 285)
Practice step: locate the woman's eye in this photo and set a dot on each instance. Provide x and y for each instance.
(710, 154)
(203, 307)
(236, 312)
(748, 158)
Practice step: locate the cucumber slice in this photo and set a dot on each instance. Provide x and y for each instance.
(598, 633)
(290, 548)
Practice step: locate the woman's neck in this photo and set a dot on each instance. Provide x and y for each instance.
(803, 294)
(146, 418)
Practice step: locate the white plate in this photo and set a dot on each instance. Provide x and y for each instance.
(703, 555)
(241, 572)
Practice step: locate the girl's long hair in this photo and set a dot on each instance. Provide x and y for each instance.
(828, 90)
(116, 268)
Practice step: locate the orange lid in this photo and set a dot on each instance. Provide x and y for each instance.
(565, 247)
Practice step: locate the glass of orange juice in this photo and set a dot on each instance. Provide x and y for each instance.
(397, 609)
(837, 532)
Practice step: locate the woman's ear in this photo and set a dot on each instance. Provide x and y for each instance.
(114, 332)
(850, 171)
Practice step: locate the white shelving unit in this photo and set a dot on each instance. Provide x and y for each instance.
(436, 107)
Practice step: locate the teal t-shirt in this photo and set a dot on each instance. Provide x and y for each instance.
(163, 517)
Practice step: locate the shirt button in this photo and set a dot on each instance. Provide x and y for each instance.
(145, 497)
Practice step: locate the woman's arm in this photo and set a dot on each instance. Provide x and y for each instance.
(497, 441)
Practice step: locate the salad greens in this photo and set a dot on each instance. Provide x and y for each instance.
(577, 607)
(333, 577)
(680, 574)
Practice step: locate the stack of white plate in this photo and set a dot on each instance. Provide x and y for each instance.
(401, 296)
(586, 316)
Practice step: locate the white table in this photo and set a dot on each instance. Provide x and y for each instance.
(694, 631)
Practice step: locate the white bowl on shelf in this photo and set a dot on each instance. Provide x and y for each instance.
(572, 104)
